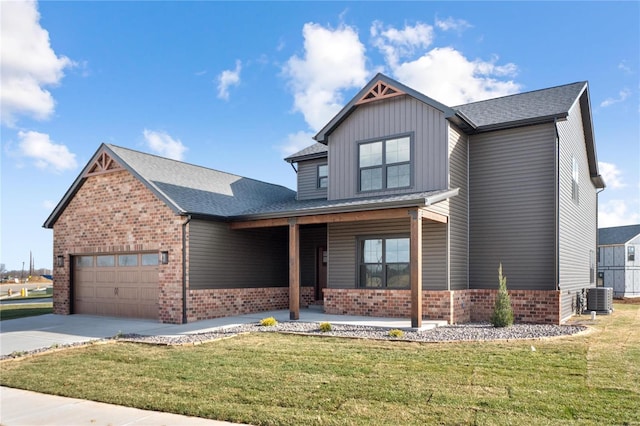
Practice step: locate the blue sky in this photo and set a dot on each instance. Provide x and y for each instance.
(237, 86)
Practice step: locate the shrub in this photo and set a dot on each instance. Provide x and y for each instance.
(325, 327)
(502, 312)
(396, 333)
(268, 322)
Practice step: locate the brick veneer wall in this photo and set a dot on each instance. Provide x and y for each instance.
(115, 212)
(529, 306)
(216, 303)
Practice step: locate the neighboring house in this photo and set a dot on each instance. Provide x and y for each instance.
(405, 208)
(619, 260)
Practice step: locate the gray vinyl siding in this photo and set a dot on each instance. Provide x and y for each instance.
(308, 180)
(381, 119)
(512, 208)
(578, 227)
(343, 262)
(458, 210)
(311, 237)
(223, 258)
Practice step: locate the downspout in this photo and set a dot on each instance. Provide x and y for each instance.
(184, 269)
(557, 209)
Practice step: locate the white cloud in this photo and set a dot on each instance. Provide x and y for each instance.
(49, 204)
(163, 144)
(396, 44)
(625, 68)
(451, 23)
(618, 213)
(45, 152)
(611, 174)
(28, 63)
(449, 77)
(622, 96)
(296, 142)
(334, 60)
(228, 78)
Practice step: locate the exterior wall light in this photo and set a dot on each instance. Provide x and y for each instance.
(60, 261)
(164, 257)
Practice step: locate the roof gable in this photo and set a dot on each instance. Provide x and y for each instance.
(617, 234)
(379, 88)
(317, 150)
(186, 188)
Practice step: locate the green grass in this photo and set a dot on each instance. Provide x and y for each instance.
(278, 379)
(8, 312)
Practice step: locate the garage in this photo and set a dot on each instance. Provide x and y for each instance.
(116, 285)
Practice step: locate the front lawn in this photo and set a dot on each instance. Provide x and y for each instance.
(276, 379)
(8, 312)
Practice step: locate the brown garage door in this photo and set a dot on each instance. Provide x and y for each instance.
(117, 285)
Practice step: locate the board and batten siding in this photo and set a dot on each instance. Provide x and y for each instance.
(343, 251)
(458, 210)
(578, 226)
(381, 119)
(512, 208)
(220, 257)
(308, 180)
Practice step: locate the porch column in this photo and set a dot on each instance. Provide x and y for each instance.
(294, 269)
(416, 267)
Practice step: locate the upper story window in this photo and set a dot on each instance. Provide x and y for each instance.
(575, 188)
(631, 253)
(323, 176)
(385, 164)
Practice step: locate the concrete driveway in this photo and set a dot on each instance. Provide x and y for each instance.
(45, 331)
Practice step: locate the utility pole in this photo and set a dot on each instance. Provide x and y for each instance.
(22, 272)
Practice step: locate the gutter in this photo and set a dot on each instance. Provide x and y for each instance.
(184, 269)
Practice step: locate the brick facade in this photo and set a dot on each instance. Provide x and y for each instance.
(460, 306)
(115, 213)
(216, 303)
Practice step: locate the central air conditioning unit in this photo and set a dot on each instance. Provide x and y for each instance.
(600, 299)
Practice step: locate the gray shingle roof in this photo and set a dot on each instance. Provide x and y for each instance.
(199, 190)
(617, 234)
(321, 206)
(522, 107)
(317, 150)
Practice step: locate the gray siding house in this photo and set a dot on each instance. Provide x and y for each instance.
(405, 207)
(619, 260)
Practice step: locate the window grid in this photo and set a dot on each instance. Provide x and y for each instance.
(323, 176)
(384, 262)
(384, 164)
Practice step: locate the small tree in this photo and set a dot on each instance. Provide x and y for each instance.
(502, 312)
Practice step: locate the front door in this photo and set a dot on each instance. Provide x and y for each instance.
(321, 268)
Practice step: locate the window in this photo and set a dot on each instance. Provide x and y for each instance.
(384, 262)
(128, 260)
(105, 261)
(385, 164)
(575, 172)
(149, 259)
(323, 176)
(631, 253)
(592, 267)
(84, 261)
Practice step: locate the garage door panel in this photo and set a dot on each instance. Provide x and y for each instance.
(119, 288)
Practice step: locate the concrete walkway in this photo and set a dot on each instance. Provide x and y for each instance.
(20, 407)
(47, 331)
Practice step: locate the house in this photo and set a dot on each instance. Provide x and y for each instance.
(619, 260)
(405, 208)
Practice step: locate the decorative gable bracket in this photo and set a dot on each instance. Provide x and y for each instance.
(379, 91)
(103, 164)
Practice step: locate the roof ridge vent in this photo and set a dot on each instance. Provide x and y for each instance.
(380, 90)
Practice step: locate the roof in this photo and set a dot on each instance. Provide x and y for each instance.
(317, 150)
(186, 188)
(617, 234)
(321, 206)
(522, 108)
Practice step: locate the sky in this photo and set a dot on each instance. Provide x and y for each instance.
(238, 86)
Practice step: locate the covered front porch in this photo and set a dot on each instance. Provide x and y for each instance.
(414, 215)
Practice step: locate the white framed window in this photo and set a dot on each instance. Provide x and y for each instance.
(384, 164)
